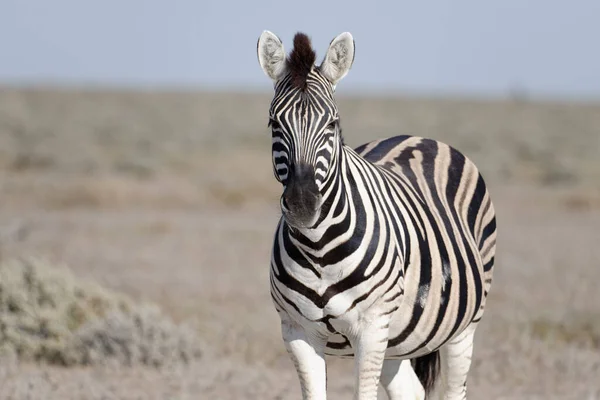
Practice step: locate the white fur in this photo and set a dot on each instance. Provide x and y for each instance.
(369, 343)
(366, 327)
(422, 295)
(455, 362)
(306, 351)
(271, 55)
(339, 58)
(400, 381)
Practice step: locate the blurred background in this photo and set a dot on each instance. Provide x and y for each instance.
(138, 203)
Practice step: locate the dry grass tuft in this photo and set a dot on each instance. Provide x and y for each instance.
(111, 192)
(143, 336)
(235, 195)
(583, 201)
(118, 192)
(46, 315)
(580, 330)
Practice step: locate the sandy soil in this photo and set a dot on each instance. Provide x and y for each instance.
(170, 197)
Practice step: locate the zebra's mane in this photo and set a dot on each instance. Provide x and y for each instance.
(301, 60)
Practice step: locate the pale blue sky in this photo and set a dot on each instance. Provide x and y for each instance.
(550, 47)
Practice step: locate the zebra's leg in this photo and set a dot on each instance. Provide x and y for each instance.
(306, 349)
(455, 362)
(369, 347)
(400, 382)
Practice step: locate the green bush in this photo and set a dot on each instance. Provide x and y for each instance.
(46, 315)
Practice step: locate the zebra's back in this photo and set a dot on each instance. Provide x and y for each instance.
(449, 233)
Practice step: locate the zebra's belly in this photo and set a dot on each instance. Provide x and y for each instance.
(422, 323)
(415, 343)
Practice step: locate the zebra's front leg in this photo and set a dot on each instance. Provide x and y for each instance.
(369, 345)
(306, 349)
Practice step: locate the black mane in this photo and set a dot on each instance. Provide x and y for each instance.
(301, 60)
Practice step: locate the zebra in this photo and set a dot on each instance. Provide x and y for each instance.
(383, 253)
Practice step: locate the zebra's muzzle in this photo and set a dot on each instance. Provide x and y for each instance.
(300, 202)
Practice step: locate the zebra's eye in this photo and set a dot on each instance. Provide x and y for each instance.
(274, 124)
(331, 125)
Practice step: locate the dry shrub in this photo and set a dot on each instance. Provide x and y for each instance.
(143, 336)
(47, 315)
(582, 330)
(237, 194)
(31, 162)
(115, 192)
(582, 200)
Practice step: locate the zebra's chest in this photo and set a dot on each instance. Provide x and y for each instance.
(335, 299)
(324, 294)
(334, 311)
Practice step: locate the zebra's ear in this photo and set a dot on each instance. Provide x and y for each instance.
(271, 55)
(339, 58)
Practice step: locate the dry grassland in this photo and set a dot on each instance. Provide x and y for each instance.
(169, 198)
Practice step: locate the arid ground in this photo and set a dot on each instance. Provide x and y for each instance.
(170, 197)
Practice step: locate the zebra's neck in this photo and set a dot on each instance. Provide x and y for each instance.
(353, 222)
(344, 211)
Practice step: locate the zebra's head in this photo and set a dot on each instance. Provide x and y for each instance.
(304, 119)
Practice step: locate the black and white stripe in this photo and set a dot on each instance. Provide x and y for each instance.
(395, 255)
